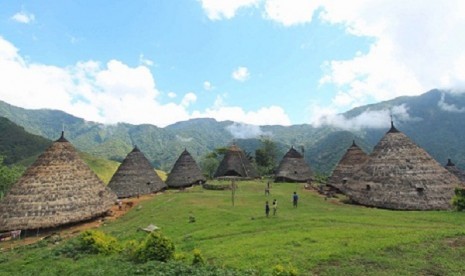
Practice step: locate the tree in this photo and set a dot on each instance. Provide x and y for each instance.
(265, 156)
(209, 162)
(8, 176)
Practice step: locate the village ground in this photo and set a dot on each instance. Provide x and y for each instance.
(323, 237)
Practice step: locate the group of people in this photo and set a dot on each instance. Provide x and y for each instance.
(274, 205)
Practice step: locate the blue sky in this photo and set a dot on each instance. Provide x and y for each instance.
(252, 61)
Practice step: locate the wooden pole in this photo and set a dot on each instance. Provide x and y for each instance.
(233, 191)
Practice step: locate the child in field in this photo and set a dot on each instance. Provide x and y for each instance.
(275, 206)
(295, 198)
(267, 209)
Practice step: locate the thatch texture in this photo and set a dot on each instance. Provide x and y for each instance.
(236, 164)
(352, 160)
(293, 168)
(57, 189)
(450, 166)
(135, 176)
(185, 172)
(401, 175)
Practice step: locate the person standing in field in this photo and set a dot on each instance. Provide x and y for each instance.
(295, 199)
(275, 206)
(267, 209)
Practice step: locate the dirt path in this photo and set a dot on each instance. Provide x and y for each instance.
(73, 230)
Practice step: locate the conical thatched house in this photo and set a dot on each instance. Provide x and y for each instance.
(352, 160)
(185, 172)
(57, 189)
(135, 176)
(293, 168)
(236, 164)
(401, 175)
(455, 171)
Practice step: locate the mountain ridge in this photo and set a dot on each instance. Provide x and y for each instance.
(424, 118)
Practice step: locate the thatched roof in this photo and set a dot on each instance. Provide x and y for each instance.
(57, 189)
(352, 160)
(236, 164)
(293, 168)
(401, 175)
(135, 176)
(185, 172)
(454, 170)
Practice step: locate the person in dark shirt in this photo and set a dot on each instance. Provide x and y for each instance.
(267, 209)
(295, 199)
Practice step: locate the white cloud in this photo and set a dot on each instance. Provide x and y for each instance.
(207, 85)
(172, 95)
(23, 17)
(417, 46)
(272, 115)
(188, 99)
(225, 9)
(108, 93)
(145, 61)
(449, 107)
(290, 13)
(241, 74)
(367, 119)
(246, 131)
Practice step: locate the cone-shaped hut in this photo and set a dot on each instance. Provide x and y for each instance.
(185, 172)
(236, 164)
(401, 175)
(57, 189)
(450, 166)
(135, 176)
(352, 160)
(293, 168)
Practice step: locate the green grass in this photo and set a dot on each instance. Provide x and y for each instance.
(103, 168)
(321, 236)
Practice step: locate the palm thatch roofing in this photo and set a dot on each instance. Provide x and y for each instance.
(185, 172)
(293, 168)
(401, 175)
(352, 160)
(236, 164)
(450, 166)
(135, 176)
(57, 189)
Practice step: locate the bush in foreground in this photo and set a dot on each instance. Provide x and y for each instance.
(155, 247)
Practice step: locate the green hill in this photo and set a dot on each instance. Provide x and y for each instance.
(16, 144)
(434, 120)
(103, 168)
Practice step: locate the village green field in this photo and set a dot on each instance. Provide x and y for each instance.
(322, 237)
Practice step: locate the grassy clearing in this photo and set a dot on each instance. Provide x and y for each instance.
(321, 236)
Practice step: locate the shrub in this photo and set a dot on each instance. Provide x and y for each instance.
(130, 249)
(279, 270)
(198, 258)
(459, 199)
(97, 242)
(155, 247)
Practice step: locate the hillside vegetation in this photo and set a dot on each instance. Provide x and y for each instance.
(16, 144)
(323, 237)
(434, 120)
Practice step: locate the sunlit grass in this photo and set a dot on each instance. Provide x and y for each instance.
(320, 236)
